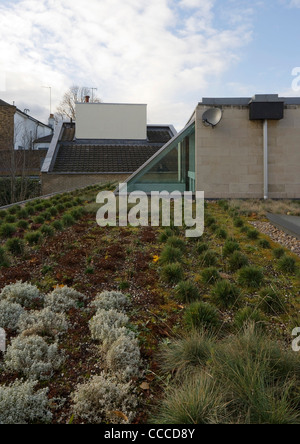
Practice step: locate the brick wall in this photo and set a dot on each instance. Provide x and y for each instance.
(7, 113)
(23, 162)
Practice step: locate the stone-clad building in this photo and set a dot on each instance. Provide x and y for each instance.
(252, 150)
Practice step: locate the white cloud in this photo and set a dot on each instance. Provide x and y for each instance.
(164, 53)
(295, 3)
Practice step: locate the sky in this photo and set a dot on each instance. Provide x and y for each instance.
(168, 54)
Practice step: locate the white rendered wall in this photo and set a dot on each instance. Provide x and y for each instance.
(111, 121)
(27, 130)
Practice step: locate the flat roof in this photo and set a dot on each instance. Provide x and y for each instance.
(244, 101)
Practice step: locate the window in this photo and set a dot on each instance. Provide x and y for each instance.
(171, 169)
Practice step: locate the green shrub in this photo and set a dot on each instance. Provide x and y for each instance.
(238, 222)
(172, 273)
(209, 221)
(188, 353)
(30, 211)
(68, 220)
(7, 230)
(253, 234)
(57, 225)
(60, 208)
(264, 243)
(39, 220)
(23, 224)
(168, 232)
(15, 246)
(3, 214)
(10, 219)
(209, 258)
(245, 229)
(202, 316)
(186, 291)
(4, 262)
(23, 213)
(252, 277)
(287, 264)
(248, 315)
(278, 253)
(272, 301)
(210, 275)
(46, 269)
(214, 227)
(230, 247)
(53, 211)
(170, 255)
(176, 242)
(14, 209)
(225, 295)
(47, 230)
(221, 233)
(34, 238)
(237, 261)
(124, 285)
(198, 400)
(201, 247)
(46, 215)
(223, 204)
(258, 377)
(77, 213)
(39, 207)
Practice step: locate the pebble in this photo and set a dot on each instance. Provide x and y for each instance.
(279, 236)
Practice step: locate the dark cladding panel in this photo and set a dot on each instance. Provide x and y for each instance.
(266, 110)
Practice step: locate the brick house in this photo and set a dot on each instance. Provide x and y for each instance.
(18, 132)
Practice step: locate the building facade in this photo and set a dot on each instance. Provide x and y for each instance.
(18, 130)
(252, 152)
(107, 143)
(19, 154)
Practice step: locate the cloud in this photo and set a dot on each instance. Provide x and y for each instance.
(164, 53)
(294, 3)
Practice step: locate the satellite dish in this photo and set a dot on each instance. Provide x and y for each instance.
(212, 117)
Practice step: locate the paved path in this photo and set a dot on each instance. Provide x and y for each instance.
(289, 224)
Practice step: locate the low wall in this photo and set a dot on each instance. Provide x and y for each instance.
(25, 162)
(54, 183)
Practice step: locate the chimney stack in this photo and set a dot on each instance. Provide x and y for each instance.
(87, 99)
(51, 121)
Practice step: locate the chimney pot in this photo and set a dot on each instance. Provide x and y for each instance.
(87, 99)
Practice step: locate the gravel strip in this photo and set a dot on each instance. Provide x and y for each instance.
(279, 236)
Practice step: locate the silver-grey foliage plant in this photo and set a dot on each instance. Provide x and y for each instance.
(21, 403)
